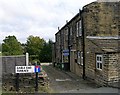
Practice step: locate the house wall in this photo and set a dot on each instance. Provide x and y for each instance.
(110, 73)
(53, 54)
(100, 20)
(75, 43)
(101, 25)
(57, 45)
(113, 69)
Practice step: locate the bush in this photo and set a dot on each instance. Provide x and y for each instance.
(36, 62)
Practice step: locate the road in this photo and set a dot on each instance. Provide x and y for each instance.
(67, 82)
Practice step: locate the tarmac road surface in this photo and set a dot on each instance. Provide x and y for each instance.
(68, 82)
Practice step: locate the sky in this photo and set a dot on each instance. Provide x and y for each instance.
(42, 18)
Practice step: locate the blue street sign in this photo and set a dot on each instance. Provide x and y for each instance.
(37, 69)
(65, 54)
(66, 51)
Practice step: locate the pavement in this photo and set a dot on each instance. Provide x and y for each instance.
(95, 90)
(98, 89)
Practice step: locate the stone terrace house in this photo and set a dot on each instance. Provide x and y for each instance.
(89, 43)
(69, 37)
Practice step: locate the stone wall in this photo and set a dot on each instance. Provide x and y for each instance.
(113, 69)
(9, 63)
(100, 23)
(101, 26)
(101, 19)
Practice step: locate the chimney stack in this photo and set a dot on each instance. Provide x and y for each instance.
(66, 21)
(58, 28)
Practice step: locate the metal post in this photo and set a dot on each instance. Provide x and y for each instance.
(17, 82)
(36, 82)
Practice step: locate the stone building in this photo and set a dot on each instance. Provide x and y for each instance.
(89, 43)
(68, 45)
(101, 27)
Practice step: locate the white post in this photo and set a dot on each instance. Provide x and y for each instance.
(27, 59)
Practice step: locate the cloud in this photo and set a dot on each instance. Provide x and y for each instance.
(36, 17)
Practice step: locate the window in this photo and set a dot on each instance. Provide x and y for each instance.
(99, 62)
(66, 34)
(80, 28)
(77, 29)
(71, 31)
(80, 58)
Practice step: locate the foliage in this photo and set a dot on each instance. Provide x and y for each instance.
(0, 47)
(35, 62)
(34, 46)
(46, 53)
(37, 48)
(11, 46)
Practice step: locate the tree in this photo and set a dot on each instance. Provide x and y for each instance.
(0, 47)
(11, 46)
(34, 46)
(46, 53)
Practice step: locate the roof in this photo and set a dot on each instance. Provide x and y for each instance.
(111, 50)
(106, 45)
(68, 22)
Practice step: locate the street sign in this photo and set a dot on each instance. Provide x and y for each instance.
(24, 69)
(37, 69)
(65, 52)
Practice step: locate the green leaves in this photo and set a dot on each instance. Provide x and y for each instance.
(34, 46)
(37, 48)
(46, 52)
(11, 46)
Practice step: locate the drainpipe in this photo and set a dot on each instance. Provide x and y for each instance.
(83, 41)
(69, 46)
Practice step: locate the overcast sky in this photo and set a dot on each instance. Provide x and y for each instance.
(36, 17)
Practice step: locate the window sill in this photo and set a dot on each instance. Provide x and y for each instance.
(98, 70)
(80, 64)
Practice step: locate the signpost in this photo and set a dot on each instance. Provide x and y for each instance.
(37, 69)
(24, 69)
(27, 69)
